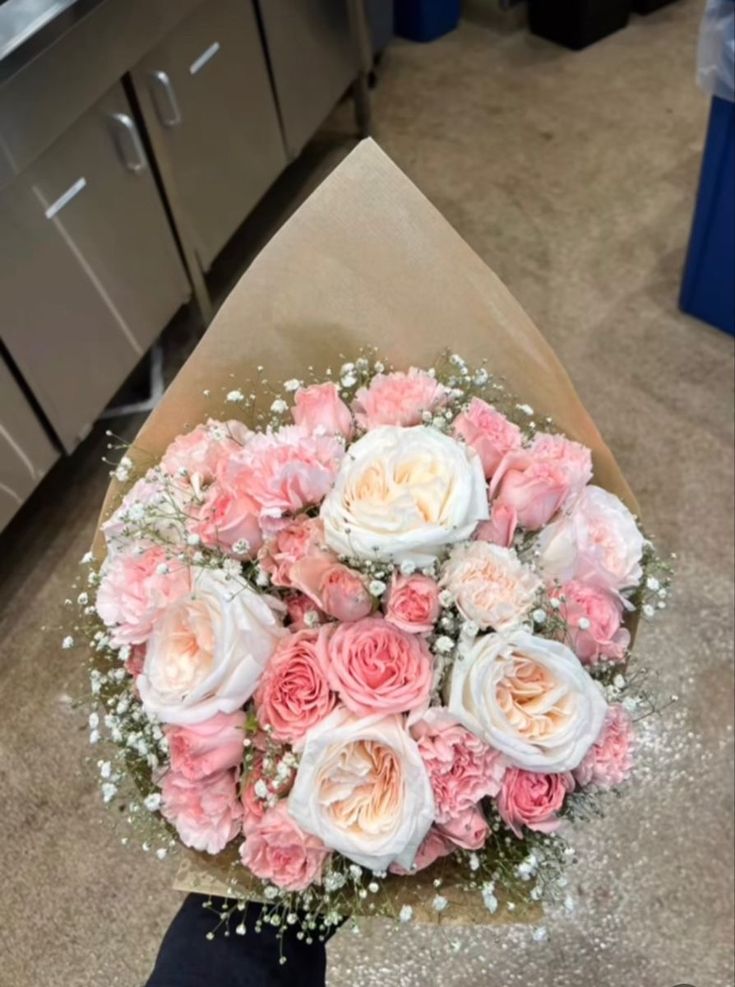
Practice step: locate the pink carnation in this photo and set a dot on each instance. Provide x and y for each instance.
(197, 454)
(377, 668)
(284, 471)
(276, 849)
(488, 432)
(293, 694)
(205, 813)
(335, 588)
(134, 588)
(412, 603)
(593, 616)
(228, 517)
(609, 762)
(532, 799)
(320, 409)
(287, 546)
(433, 846)
(398, 399)
(468, 829)
(538, 481)
(462, 769)
(207, 748)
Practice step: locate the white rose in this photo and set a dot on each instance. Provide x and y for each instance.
(207, 650)
(490, 584)
(599, 541)
(404, 494)
(362, 788)
(529, 698)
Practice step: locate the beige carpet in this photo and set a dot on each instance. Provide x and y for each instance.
(573, 175)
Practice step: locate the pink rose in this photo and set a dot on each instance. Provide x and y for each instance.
(412, 603)
(335, 588)
(196, 455)
(462, 769)
(377, 668)
(135, 661)
(253, 806)
(434, 846)
(277, 850)
(283, 471)
(538, 481)
(468, 829)
(205, 813)
(287, 546)
(320, 409)
(135, 587)
(609, 761)
(293, 693)
(593, 618)
(501, 527)
(398, 399)
(532, 799)
(488, 432)
(228, 516)
(303, 612)
(206, 748)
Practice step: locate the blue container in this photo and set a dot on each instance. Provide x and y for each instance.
(708, 285)
(425, 20)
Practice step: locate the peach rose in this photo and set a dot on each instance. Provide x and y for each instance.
(531, 799)
(206, 813)
(207, 748)
(277, 850)
(462, 768)
(377, 668)
(544, 478)
(321, 410)
(490, 585)
(398, 399)
(468, 829)
(135, 586)
(609, 761)
(599, 542)
(284, 548)
(501, 527)
(593, 618)
(489, 433)
(207, 650)
(196, 455)
(293, 693)
(412, 603)
(362, 788)
(335, 588)
(529, 698)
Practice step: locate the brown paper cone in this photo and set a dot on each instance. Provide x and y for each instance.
(366, 261)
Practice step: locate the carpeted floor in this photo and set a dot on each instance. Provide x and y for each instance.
(573, 175)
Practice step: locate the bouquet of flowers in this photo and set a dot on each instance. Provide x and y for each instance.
(364, 644)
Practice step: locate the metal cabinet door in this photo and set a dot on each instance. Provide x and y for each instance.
(25, 450)
(314, 59)
(207, 101)
(89, 269)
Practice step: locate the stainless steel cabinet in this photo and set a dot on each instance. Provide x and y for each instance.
(209, 108)
(89, 269)
(25, 450)
(314, 59)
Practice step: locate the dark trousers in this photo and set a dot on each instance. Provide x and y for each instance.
(188, 959)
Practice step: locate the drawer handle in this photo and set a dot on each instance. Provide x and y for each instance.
(164, 97)
(206, 56)
(129, 143)
(66, 197)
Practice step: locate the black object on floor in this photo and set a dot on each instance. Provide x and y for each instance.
(188, 959)
(577, 23)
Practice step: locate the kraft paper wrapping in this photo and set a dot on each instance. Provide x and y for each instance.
(366, 261)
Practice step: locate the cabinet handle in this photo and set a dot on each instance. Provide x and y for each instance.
(129, 143)
(164, 97)
(71, 193)
(206, 56)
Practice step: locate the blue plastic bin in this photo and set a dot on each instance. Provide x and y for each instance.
(708, 285)
(425, 20)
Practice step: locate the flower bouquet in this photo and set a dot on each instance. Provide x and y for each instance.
(359, 637)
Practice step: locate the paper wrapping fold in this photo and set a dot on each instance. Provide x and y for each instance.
(366, 260)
